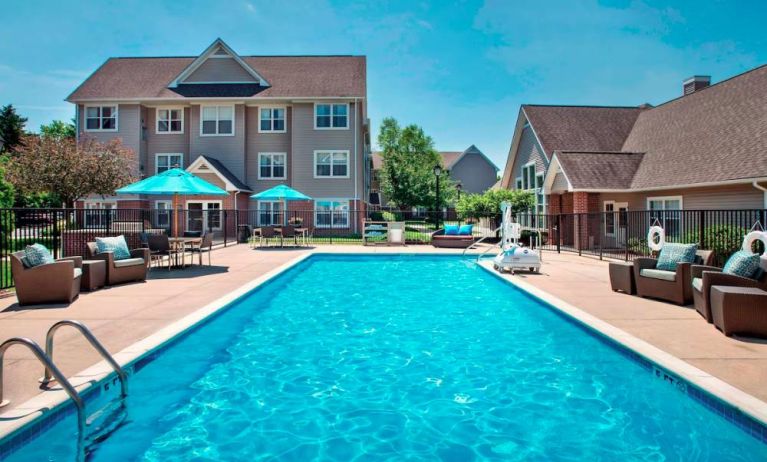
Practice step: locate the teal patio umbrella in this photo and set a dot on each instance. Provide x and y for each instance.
(174, 182)
(283, 193)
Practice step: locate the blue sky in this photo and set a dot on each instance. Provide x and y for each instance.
(459, 69)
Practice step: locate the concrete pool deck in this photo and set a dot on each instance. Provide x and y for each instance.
(124, 315)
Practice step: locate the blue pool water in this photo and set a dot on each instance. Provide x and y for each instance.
(401, 358)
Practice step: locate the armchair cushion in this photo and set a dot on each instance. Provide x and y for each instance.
(742, 263)
(78, 272)
(128, 262)
(36, 255)
(117, 245)
(672, 254)
(697, 284)
(663, 275)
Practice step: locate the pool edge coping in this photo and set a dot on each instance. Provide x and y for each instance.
(716, 387)
(47, 402)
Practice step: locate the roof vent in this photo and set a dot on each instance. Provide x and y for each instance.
(695, 83)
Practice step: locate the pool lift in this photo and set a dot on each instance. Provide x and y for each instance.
(514, 256)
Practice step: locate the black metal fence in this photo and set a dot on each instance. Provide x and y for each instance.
(617, 235)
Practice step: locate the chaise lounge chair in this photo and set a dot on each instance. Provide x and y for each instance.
(672, 286)
(452, 241)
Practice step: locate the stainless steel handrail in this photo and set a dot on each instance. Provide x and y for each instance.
(49, 366)
(94, 343)
(480, 240)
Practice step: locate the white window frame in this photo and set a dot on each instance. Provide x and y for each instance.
(332, 151)
(218, 118)
(333, 225)
(97, 204)
(167, 154)
(664, 199)
(671, 231)
(204, 210)
(271, 119)
(116, 111)
(604, 209)
(348, 116)
(260, 207)
(169, 132)
(285, 164)
(166, 211)
(518, 183)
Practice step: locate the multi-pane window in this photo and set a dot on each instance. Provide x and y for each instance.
(162, 214)
(331, 116)
(170, 120)
(271, 165)
(272, 119)
(168, 161)
(270, 213)
(330, 164)
(609, 218)
(98, 214)
(217, 120)
(331, 214)
(102, 118)
(667, 211)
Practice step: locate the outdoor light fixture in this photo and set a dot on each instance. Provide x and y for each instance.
(459, 187)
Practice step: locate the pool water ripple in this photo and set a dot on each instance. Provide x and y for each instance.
(406, 358)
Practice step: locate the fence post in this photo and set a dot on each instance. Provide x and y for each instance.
(578, 233)
(559, 233)
(226, 228)
(56, 234)
(702, 229)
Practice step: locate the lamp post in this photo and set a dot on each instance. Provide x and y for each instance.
(437, 172)
(459, 187)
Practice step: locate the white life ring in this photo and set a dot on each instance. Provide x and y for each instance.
(753, 236)
(656, 231)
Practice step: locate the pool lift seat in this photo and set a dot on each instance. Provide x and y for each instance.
(513, 255)
(108, 417)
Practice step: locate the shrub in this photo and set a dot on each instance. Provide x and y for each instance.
(391, 216)
(724, 240)
(376, 216)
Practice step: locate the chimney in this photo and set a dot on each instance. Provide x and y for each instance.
(695, 83)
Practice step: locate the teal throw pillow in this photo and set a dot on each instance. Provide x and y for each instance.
(742, 263)
(465, 230)
(672, 254)
(116, 245)
(36, 255)
(451, 230)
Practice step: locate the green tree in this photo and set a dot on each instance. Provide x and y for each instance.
(488, 204)
(6, 199)
(58, 129)
(11, 127)
(70, 170)
(407, 171)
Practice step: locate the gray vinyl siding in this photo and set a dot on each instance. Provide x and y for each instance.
(474, 173)
(528, 151)
(731, 197)
(220, 70)
(229, 150)
(266, 142)
(169, 143)
(128, 129)
(306, 140)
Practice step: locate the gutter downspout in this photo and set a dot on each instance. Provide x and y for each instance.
(356, 174)
(761, 188)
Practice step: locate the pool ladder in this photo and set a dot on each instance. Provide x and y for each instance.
(51, 372)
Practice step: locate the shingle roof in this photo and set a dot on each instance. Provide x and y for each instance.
(581, 128)
(599, 170)
(289, 76)
(715, 134)
(217, 165)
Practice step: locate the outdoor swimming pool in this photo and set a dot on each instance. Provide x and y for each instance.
(400, 357)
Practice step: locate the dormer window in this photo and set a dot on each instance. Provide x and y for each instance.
(170, 120)
(101, 118)
(217, 121)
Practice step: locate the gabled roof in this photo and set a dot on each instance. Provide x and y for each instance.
(449, 158)
(131, 79)
(580, 128)
(216, 49)
(216, 167)
(591, 170)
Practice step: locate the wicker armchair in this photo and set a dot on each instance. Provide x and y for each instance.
(672, 286)
(704, 277)
(119, 271)
(57, 282)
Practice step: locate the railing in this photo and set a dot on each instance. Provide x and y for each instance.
(617, 235)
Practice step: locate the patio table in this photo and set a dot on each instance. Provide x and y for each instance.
(180, 244)
(304, 232)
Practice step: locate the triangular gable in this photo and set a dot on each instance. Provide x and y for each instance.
(218, 64)
(212, 166)
(555, 168)
(473, 150)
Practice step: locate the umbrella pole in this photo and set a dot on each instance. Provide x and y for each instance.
(175, 215)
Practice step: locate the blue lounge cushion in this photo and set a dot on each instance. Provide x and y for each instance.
(465, 230)
(743, 263)
(36, 255)
(451, 230)
(116, 245)
(673, 254)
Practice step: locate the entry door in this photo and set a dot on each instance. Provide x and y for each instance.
(203, 216)
(194, 216)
